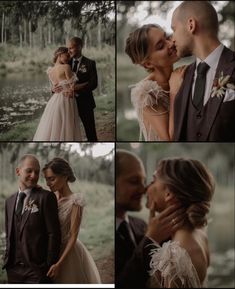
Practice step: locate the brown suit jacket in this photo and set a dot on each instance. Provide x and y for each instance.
(220, 121)
(40, 234)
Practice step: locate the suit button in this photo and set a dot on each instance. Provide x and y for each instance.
(199, 134)
(199, 116)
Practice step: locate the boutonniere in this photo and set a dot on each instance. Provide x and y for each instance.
(82, 68)
(221, 84)
(31, 206)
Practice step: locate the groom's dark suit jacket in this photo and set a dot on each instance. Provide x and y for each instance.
(85, 100)
(86, 73)
(39, 232)
(125, 252)
(218, 121)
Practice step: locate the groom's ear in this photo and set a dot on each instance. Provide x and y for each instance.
(17, 171)
(191, 25)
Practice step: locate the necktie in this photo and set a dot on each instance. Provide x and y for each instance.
(200, 85)
(75, 65)
(19, 208)
(124, 230)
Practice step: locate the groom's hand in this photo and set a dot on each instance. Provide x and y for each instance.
(57, 88)
(162, 226)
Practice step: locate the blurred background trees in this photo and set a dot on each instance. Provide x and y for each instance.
(42, 23)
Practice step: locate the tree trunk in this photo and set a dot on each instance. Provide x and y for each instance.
(25, 32)
(30, 34)
(49, 33)
(21, 35)
(99, 34)
(2, 32)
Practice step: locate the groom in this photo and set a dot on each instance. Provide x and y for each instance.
(201, 112)
(32, 228)
(85, 70)
(134, 238)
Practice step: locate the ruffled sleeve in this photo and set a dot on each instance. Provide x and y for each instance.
(78, 200)
(147, 93)
(171, 266)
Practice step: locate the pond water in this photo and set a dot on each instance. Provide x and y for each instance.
(22, 98)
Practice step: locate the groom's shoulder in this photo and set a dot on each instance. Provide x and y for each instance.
(86, 59)
(11, 197)
(42, 193)
(137, 221)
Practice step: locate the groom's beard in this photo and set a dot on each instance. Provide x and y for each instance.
(184, 53)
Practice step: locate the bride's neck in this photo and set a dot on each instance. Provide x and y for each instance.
(161, 76)
(186, 228)
(64, 191)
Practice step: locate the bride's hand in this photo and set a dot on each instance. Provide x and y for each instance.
(53, 271)
(176, 79)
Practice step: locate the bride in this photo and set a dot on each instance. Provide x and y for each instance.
(152, 97)
(60, 120)
(182, 261)
(75, 264)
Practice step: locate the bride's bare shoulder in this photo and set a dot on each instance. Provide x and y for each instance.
(196, 246)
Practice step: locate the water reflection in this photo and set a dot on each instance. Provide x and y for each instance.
(22, 98)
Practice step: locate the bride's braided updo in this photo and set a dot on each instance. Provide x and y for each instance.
(59, 51)
(192, 184)
(60, 167)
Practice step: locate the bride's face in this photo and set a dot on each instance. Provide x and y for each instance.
(156, 194)
(161, 51)
(54, 182)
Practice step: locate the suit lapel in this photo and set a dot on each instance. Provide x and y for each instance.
(225, 65)
(181, 101)
(11, 210)
(27, 213)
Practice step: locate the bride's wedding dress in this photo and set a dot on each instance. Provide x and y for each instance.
(60, 120)
(170, 263)
(147, 93)
(79, 266)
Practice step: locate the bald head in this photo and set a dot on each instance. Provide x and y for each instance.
(202, 11)
(124, 161)
(29, 157)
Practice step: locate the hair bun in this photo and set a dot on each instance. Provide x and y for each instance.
(71, 178)
(197, 213)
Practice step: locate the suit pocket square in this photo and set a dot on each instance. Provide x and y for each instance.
(229, 95)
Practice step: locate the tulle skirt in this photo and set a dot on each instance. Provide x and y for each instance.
(60, 120)
(78, 267)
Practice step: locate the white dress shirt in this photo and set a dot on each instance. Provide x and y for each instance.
(27, 192)
(79, 62)
(212, 60)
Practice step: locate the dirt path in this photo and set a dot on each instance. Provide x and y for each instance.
(105, 127)
(106, 269)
